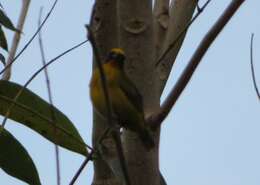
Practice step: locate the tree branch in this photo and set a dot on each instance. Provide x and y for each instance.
(81, 167)
(29, 42)
(252, 67)
(85, 162)
(182, 33)
(104, 24)
(181, 12)
(33, 76)
(57, 157)
(16, 38)
(176, 91)
(114, 133)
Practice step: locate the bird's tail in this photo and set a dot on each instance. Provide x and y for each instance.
(147, 138)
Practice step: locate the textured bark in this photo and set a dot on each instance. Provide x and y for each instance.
(104, 26)
(137, 39)
(181, 12)
(161, 22)
(140, 33)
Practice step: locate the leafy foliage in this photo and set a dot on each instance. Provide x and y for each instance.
(6, 22)
(15, 160)
(35, 113)
(3, 42)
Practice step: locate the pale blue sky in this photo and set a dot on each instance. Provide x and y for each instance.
(210, 137)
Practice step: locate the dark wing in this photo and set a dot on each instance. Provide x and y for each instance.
(131, 92)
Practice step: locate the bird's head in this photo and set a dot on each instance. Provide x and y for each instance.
(116, 55)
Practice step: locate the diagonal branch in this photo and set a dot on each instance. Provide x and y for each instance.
(181, 34)
(176, 91)
(31, 39)
(180, 14)
(89, 157)
(114, 133)
(16, 38)
(32, 78)
(252, 67)
(82, 166)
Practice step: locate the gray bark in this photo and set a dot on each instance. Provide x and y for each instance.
(141, 34)
(104, 26)
(136, 38)
(181, 12)
(161, 24)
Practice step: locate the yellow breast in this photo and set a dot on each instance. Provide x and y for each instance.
(96, 89)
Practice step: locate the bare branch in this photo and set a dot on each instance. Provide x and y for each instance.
(57, 157)
(33, 76)
(252, 67)
(16, 38)
(176, 34)
(104, 24)
(29, 42)
(115, 134)
(182, 33)
(176, 91)
(82, 166)
(90, 156)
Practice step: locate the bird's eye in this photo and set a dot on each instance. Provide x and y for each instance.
(121, 58)
(112, 56)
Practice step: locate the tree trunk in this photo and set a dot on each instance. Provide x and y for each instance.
(104, 26)
(133, 26)
(136, 38)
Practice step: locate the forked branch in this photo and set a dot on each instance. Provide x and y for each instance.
(114, 133)
(31, 39)
(181, 33)
(185, 77)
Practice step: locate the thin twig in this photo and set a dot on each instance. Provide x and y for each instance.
(48, 85)
(114, 133)
(16, 38)
(34, 75)
(252, 67)
(29, 42)
(102, 76)
(181, 34)
(176, 91)
(82, 166)
(85, 162)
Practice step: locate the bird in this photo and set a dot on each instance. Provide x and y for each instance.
(126, 100)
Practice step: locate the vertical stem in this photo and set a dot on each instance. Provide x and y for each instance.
(57, 156)
(104, 26)
(16, 39)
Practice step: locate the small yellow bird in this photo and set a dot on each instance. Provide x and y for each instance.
(126, 101)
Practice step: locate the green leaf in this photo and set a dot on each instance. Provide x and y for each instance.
(6, 22)
(35, 113)
(15, 160)
(3, 42)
